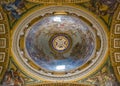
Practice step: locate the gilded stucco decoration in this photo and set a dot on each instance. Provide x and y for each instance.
(4, 43)
(59, 42)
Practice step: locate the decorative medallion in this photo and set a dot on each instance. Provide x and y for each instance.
(60, 42)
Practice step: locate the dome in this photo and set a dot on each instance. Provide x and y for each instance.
(60, 43)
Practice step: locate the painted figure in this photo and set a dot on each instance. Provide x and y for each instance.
(13, 78)
(103, 7)
(14, 8)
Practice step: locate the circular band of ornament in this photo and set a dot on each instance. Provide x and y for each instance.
(21, 55)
